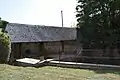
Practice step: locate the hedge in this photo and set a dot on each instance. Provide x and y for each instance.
(5, 47)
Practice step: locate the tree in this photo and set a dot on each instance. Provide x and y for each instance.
(98, 23)
(5, 47)
(5, 44)
(3, 24)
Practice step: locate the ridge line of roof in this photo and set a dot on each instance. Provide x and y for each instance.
(41, 25)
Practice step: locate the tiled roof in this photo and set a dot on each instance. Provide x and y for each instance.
(38, 33)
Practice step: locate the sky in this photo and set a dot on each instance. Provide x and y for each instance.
(38, 12)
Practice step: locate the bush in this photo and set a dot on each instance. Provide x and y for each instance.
(5, 47)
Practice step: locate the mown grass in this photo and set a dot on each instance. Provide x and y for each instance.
(8, 72)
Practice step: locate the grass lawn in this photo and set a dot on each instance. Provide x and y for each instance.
(8, 72)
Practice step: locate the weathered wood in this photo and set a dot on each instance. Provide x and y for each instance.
(32, 62)
(28, 60)
(87, 57)
(81, 65)
(20, 44)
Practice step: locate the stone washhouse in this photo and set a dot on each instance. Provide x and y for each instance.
(33, 41)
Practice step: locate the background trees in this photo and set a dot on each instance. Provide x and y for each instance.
(3, 24)
(98, 23)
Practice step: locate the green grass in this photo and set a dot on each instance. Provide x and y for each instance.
(8, 72)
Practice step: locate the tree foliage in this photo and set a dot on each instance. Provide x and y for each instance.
(98, 22)
(3, 24)
(5, 43)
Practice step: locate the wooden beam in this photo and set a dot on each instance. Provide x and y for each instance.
(62, 42)
(20, 44)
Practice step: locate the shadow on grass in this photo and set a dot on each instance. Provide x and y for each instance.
(27, 65)
(104, 71)
(96, 70)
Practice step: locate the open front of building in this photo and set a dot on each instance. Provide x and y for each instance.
(46, 49)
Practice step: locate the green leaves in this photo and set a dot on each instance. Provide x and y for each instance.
(5, 43)
(98, 21)
(4, 39)
(3, 24)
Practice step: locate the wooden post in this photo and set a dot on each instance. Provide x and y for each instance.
(62, 43)
(59, 55)
(62, 17)
(20, 44)
(62, 46)
(41, 48)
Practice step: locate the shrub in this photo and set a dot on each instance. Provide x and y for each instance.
(5, 47)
